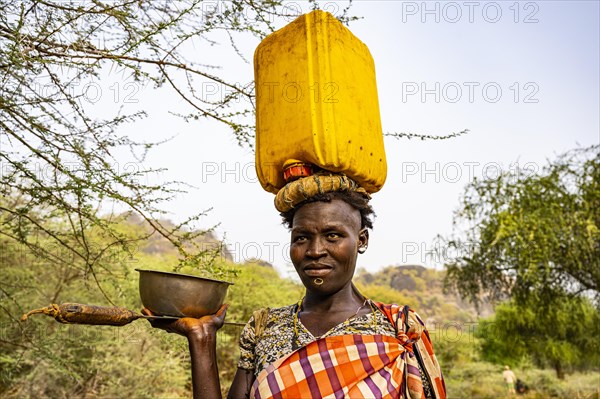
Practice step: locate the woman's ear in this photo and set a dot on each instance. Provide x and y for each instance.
(363, 240)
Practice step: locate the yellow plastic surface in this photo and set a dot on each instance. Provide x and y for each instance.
(316, 99)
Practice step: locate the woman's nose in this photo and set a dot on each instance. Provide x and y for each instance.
(315, 249)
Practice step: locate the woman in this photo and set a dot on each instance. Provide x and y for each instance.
(334, 342)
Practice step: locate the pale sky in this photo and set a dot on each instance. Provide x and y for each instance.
(522, 76)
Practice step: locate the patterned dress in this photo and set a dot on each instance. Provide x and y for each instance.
(284, 333)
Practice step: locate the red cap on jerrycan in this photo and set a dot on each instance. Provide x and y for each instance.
(294, 169)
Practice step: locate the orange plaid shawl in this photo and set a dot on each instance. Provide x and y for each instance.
(357, 366)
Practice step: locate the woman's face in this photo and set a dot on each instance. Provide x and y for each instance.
(325, 241)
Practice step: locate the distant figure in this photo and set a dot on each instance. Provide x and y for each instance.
(521, 387)
(509, 379)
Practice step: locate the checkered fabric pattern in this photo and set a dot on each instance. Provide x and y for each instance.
(357, 366)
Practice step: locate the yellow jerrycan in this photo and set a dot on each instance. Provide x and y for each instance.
(317, 104)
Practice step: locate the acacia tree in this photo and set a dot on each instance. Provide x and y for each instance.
(62, 172)
(534, 239)
(61, 161)
(59, 158)
(531, 236)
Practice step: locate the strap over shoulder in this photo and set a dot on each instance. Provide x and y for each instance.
(413, 325)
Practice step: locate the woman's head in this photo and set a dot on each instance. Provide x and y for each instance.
(327, 233)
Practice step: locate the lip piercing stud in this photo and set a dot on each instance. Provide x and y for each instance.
(318, 281)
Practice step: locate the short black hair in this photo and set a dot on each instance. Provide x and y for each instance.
(356, 200)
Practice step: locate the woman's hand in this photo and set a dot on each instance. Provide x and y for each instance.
(191, 327)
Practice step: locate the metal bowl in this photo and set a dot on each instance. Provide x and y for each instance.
(180, 295)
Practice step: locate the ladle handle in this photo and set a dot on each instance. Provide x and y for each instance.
(77, 313)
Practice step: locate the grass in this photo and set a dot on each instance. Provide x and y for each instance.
(480, 380)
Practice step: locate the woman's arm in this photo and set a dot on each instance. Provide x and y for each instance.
(242, 383)
(203, 355)
(202, 339)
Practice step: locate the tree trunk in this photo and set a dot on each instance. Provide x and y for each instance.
(560, 374)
